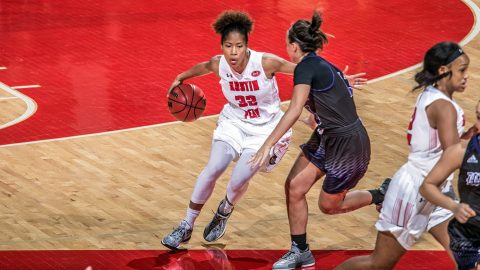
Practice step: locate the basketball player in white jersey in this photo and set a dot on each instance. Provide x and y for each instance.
(436, 124)
(252, 112)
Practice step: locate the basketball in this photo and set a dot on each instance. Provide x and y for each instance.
(186, 102)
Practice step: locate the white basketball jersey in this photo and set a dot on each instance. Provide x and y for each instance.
(425, 146)
(252, 97)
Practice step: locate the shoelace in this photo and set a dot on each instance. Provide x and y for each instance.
(217, 218)
(287, 255)
(291, 254)
(180, 230)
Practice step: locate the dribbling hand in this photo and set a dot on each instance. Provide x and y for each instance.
(175, 83)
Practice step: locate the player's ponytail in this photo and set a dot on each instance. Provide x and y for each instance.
(233, 21)
(441, 54)
(308, 34)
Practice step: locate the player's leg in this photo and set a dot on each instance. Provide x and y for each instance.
(439, 220)
(346, 161)
(237, 186)
(440, 233)
(250, 141)
(307, 169)
(301, 178)
(385, 256)
(220, 156)
(333, 202)
(343, 202)
(398, 216)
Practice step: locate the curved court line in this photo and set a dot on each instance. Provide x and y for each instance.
(471, 35)
(31, 105)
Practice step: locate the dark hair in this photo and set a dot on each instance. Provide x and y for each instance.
(233, 21)
(441, 54)
(308, 34)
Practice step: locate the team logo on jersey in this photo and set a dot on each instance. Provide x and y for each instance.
(473, 179)
(472, 159)
(255, 73)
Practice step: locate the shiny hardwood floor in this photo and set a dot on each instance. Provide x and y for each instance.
(126, 190)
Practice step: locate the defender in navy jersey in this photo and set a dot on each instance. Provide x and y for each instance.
(464, 230)
(339, 147)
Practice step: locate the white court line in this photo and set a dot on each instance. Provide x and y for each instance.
(4, 98)
(3, 68)
(26, 86)
(31, 105)
(473, 33)
(476, 27)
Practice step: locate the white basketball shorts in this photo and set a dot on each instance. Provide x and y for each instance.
(242, 135)
(405, 213)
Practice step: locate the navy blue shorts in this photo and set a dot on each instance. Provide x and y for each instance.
(466, 249)
(342, 153)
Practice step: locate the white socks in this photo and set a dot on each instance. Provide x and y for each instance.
(191, 216)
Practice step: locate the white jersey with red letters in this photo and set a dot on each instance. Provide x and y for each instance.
(425, 146)
(252, 97)
(253, 109)
(405, 213)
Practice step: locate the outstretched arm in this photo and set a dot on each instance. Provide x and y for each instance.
(300, 96)
(197, 70)
(272, 64)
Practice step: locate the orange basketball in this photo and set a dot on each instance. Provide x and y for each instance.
(186, 102)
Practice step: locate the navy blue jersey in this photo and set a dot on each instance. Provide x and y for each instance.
(330, 97)
(469, 187)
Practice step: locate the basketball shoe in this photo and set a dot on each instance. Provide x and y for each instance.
(384, 186)
(382, 191)
(179, 235)
(216, 228)
(295, 258)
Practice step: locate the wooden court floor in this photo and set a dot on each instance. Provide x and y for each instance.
(126, 190)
